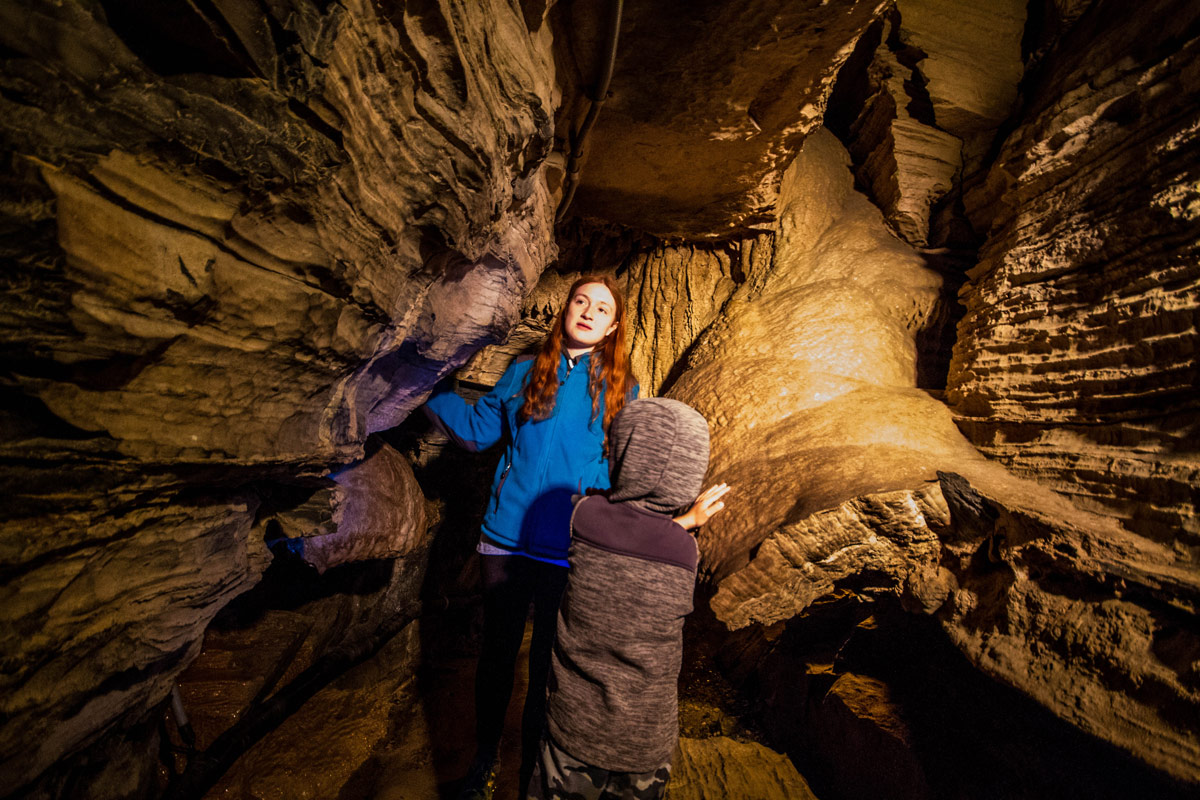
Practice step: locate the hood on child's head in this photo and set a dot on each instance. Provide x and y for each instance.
(658, 452)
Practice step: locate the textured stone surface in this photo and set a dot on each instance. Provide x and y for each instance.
(808, 379)
(676, 160)
(237, 240)
(930, 84)
(833, 458)
(1075, 365)
(318, 749)
(376, 510)
(1075, 362)
(892, 536)
(724, 767)
(675, 294)
(1082, 615)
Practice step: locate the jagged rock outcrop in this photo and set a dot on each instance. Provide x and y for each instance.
(237, 244)
(258, 661)
(1075, 366)
(858, 714)
(374, 510)
(1083, 616)
(940, 78)
(1075, 363)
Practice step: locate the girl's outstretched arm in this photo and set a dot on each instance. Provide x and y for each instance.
(474, 427)
(707, 505)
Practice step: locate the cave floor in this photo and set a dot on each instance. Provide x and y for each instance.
(431, 748)
(436, 748)
(400, 725)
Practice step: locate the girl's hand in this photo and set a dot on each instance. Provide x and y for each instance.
(707, 505)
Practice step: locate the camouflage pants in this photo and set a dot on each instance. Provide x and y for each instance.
(559, 776)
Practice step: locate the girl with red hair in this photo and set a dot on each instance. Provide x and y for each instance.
(552, 411)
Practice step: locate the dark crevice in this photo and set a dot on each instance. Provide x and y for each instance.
(172, 37)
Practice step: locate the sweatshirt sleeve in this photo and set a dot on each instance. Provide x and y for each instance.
(473, 427)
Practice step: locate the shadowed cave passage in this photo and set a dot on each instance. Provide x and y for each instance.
(927, 268)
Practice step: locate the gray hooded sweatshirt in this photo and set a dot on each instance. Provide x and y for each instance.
(613, 685)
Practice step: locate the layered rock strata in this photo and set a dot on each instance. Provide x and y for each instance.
(236, 244)
(1075, 362)
(808, 383)
(289, 660)
(1075, 365)
(930, 84)
(675, 294)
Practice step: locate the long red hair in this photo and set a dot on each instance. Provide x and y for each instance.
(609, 370)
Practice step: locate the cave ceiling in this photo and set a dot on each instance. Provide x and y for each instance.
(707, 105)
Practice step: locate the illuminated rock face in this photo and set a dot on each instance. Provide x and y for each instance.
(941, 78)
(246, 240)
(1076, 363)
(809, 376)
(1075, 366)
(818, 426)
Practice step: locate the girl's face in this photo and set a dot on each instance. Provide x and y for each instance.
(591, 317)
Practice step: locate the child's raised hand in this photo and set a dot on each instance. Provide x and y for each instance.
(707, 505)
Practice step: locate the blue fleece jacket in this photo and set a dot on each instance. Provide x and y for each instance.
(545, 461)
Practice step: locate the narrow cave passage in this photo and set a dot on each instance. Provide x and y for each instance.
(928, 269)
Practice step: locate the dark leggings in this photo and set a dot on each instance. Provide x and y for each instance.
(510, 584)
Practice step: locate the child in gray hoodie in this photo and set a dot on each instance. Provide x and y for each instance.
(612, 712)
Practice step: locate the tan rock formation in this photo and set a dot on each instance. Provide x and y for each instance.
(833, 454)
(724, 767)
(858, 715)
(808, 379)
(253, 246)
(239, 238)
(674, 295)
(1075, 363)
(376, 510)
(1083, 616)
(942, 78)
(1075, 366)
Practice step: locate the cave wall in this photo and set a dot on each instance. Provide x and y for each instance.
(1075, 361)
(1082, 599)
(1075, 366)
(236, 242)
(854, 483)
